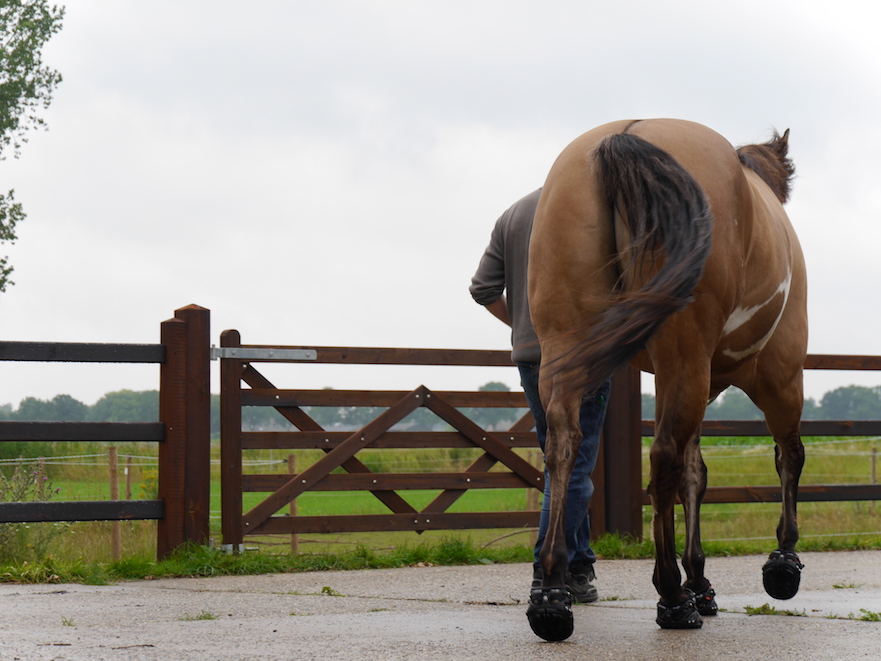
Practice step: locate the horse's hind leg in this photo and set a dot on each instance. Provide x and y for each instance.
(782, 405)
(691, 493)
(677, 468)
(549, 612)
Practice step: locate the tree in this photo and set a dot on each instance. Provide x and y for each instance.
(26, 86)
(733, 404)
(648, 406)
(61, 408)
(852, 403)
(494, 418)
(126, 406)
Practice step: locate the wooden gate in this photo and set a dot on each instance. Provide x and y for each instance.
(341, 447)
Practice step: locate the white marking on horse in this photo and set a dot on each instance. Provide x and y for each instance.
(742, 315)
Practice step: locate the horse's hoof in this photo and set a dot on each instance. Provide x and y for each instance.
(705, 602)
(550, 613)
(682, 616)
(781, 574)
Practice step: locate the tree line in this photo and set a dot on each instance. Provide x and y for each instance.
(845, 403)
(143, 406)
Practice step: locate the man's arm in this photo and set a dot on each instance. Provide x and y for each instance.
(499, 309)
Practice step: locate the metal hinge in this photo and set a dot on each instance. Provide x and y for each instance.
(247, 353)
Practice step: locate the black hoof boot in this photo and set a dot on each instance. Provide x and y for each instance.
(781, 574)
(550, 613)
(705, 602)
(682, 616)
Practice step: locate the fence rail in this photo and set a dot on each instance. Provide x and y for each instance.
(618, 496)
(182, 508)
(82, 352)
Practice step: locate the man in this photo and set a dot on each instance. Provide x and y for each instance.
(500, 285)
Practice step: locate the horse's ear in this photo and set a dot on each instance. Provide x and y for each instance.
(785, 137)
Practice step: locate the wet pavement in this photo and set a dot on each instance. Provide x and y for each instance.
(448, 613)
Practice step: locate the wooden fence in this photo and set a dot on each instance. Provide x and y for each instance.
(182, 507)
(618, 497)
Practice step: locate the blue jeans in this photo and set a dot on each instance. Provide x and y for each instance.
(593, 414)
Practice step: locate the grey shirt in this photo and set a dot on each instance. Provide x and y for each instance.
(503, 268)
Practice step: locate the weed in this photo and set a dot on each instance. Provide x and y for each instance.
(846, 586)
(150, 484)
(203, 615)
(330, 592)
(767, 609)
(23, 541)
(66, 621)
(870, 616)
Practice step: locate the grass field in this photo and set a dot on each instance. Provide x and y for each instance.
(730, 462)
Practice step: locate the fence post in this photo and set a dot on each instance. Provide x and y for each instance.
(197, 488)
(115, 526)
(231, 445)
(622, 454)
(172, 452)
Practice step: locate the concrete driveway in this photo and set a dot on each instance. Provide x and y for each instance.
(443, 613)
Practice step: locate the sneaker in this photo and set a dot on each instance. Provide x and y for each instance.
(580, 587)
(578, 581)
(584, 570)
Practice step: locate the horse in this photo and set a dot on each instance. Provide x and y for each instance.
(657, 243)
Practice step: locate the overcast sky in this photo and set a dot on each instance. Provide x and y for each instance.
(328, 173)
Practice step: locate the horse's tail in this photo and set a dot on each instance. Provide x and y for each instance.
(669, 219)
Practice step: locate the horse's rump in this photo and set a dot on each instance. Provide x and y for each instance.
(670, 233)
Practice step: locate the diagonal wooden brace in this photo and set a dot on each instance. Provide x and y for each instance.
(335, 458)
(471, 430)
(446, 498)
(302, 421)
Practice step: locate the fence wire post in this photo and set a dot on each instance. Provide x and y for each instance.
(115, 526)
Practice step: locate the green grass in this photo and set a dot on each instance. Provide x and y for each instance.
(730, 529)
(200, 561)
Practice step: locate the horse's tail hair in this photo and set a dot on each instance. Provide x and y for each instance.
(669, 219)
